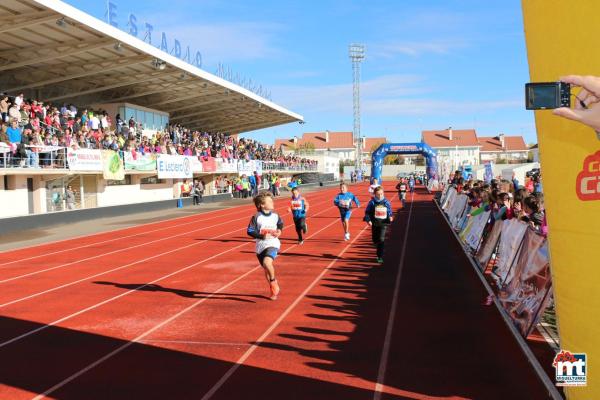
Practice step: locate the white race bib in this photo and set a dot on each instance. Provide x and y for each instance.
(381, 212)
(344, 203)
(296, 204)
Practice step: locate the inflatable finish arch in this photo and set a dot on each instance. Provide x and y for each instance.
(404, 148)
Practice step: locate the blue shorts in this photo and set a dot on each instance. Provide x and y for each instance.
(270, 252)
(345, 213)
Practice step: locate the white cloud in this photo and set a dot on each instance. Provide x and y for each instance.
(414, 49)
(386, 96)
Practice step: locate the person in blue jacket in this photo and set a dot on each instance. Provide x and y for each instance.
(379, 215)
(344, 201)
(299, 207)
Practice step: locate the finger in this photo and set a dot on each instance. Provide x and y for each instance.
(569, 113)
(591, 83)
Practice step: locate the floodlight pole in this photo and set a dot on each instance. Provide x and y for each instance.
(357, 54)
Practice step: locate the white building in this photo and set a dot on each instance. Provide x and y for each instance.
(333, 144)
(511, 149)
(455, 147)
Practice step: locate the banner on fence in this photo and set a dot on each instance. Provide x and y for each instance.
(84, 160)
(448, 198)
(510, 240)
(209, 164)
(175, 167)
(139, 162)
(196, 165)
(112, 166)
(528, 295)
(488, 246)
(226, 165)
(248, 167)
(472, 233)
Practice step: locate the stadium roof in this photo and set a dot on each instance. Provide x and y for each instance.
(54, 52)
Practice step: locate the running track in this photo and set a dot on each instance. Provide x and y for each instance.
(177, 310)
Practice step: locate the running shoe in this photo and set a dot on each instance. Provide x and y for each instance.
(380, 260)
(346, 236)
(300, 242)
(274, 290)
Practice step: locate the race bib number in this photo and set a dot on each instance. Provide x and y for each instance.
(297, 205)
(381, 212)
(403, 188)
(268, 231)
(344, 203)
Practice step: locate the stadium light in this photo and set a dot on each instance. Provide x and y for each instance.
(118, 46)
(61, 22)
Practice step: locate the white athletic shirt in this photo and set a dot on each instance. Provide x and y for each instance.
(262, 224)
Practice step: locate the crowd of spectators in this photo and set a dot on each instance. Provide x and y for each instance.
(29, 125)
(506, 199)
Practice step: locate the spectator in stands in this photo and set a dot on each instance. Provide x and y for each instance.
(70, 198)
(186, 189)
(4, 108)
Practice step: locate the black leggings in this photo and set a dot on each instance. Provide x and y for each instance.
(300, 224)
(378, 237)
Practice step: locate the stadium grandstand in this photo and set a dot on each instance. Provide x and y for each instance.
(75, 88)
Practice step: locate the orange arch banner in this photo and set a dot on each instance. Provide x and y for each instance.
(562, 39)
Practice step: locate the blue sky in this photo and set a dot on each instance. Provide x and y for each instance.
(429, 65)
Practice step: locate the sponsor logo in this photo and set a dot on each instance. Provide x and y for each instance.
(588, 180)
(571, 368)
(187, 168)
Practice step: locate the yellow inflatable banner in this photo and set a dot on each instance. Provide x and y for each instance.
(562, 39)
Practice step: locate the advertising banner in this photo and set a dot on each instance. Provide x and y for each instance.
(488, 245)
(84, 160)
(209, 164)
(112, 166)
(139, 162)
(196, 165)
(526, 297)
(175, 167)
(226, 165)
(565, 145)
(510, 240)
(478, 223)
(247, 167)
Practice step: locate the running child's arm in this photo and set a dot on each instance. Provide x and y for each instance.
(355, 200)
(279, 226)
(253, 230)
(306, 205)
(368, 212)
(389, 210)
(336, 200)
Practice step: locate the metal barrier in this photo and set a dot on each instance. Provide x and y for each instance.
(284, 166)
(32, 156)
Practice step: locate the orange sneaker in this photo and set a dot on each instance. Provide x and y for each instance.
(274, 289)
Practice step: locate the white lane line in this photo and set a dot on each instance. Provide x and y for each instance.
(168, 320)
(150, 341)
(31, 296)
(111, 299)
(196, 220)
(391, 318)
(14, 278)
(261, 339)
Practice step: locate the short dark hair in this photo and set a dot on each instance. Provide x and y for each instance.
(378, 189)
(532, 203)
(259, 200)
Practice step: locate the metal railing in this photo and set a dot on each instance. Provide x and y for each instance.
(285, 166)
(32, 156)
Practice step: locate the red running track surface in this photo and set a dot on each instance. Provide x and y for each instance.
(178, 310)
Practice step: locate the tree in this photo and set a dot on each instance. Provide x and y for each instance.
(376, 146)
(393, 159)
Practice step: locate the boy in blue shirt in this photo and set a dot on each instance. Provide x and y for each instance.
(265, 226)
(344, 201)
(379, 215)
(299, 207)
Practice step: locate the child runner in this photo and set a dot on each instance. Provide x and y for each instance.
(265, 226)
(378, 215)
(401, 188)
(373, 186)
(344, 201)
(299, 207)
